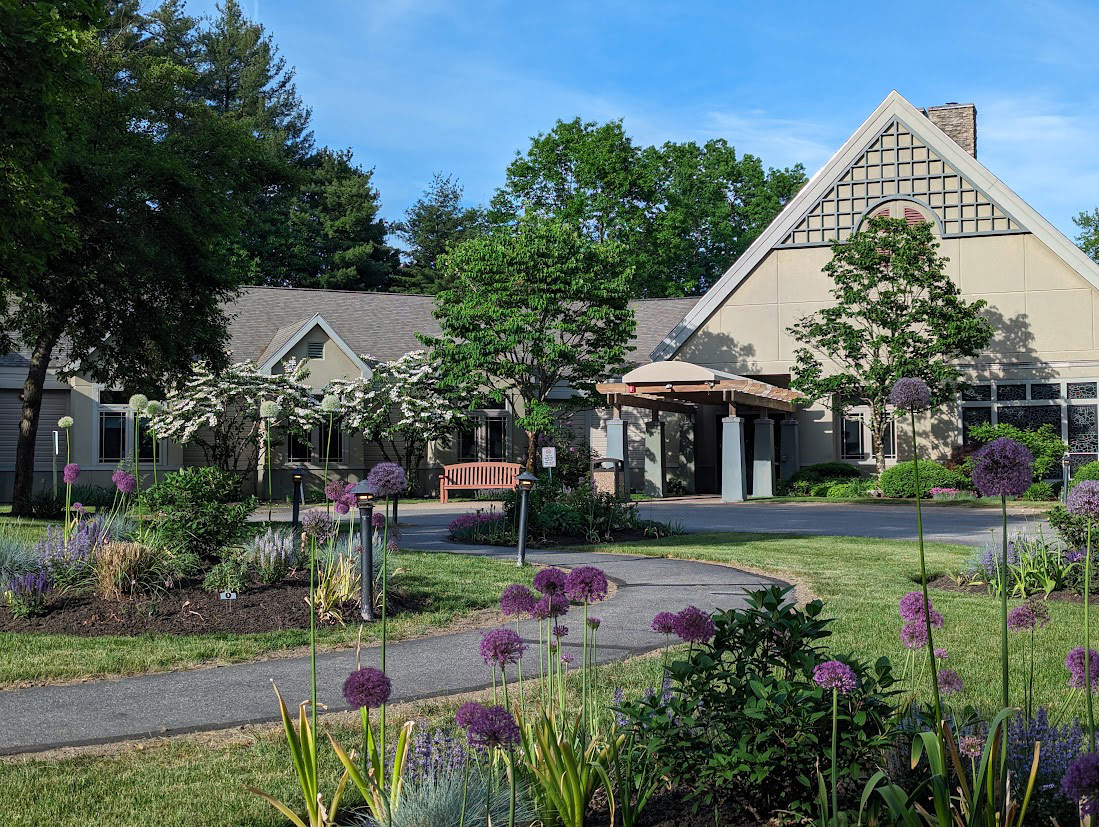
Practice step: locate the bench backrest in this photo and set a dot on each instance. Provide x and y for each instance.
(482, 474)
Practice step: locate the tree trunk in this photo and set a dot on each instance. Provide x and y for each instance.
(878, 425)
(28, 424)
(532, 449)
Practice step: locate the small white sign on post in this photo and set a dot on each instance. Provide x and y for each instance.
(549, 457)
(228, 595)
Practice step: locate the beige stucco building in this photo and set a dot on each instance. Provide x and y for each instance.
(733, 428)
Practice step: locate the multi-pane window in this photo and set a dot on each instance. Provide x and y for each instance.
(466, 444)
(496, 438)
(298, 449)
(332, 447)
(112, 436)
(852, 437)
(1069, 407)
(316, 445)
(485, 438)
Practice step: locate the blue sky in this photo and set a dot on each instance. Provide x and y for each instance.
(419, 86)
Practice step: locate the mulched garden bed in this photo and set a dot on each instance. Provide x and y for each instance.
(182, 611)
(948, 584)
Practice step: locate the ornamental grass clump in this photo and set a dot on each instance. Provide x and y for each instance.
(1002, 468)
(1084, 501)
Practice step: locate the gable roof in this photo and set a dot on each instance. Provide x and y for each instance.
(1007, 211)
(267, 320)
(274, 352)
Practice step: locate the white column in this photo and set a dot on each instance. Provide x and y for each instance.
(656, 475)
(733, 472)
(763, 458)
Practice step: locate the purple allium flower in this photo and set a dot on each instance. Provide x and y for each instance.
(550, 581)
(377, 519)
(386, 479)
(834, 674)
(594, 622)
(392, 546)
(940, 654)
(341, 507)
(560, 631)
(78, 507)
(502, 647)
(664, 623)
(1077, 677)
(71, 473)
(914, 635)
(1084, 498)
(516, 599)
(971, 746)
(367, 688)
(494, 727)
(950, 682)
(467, 714)
(1081, 783)
(1029, 616)
(586, 584)
(318, 525)
(693, 625)
(910, 394)
(911, 607)
(124, 481)
(551, 605)
(567, 659)
(1002, 468)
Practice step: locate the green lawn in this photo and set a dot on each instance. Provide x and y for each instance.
(861, 580)
(451, 585)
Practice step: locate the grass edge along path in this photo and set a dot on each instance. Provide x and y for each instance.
(861, 581)
(453, 588)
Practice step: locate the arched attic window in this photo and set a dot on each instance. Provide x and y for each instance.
(910, 211)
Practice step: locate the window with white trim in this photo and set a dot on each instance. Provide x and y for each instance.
(112, 435)
(853, 427)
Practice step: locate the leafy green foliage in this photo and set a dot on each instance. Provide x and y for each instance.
(1040, 492)
(744, 721)
(432, 226)
(1071, 528)
(900, 480)
(533, 306)
(199, 509)
(1045, 444)
(230, 575)
(1088, 239)
(683, 212)
(896, 314)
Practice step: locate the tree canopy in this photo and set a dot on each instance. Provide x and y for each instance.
(533, 307)
(436, 222)
(682, 212)
(1088, 239)
(896, 314)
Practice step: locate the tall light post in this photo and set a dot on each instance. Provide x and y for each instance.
(298, 475)
(364, 499)
(525, 482)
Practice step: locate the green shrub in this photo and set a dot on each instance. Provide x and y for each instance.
(744, 721)
(46, 506)
(230, 575)
(196, 509)
(1072, 529)
(900, 480)
(560, 518)
(93, 496)
(842, 490)
(1039, 492)
(1045, 444)
(815, 480)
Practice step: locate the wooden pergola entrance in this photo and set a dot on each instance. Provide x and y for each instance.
(682, 387)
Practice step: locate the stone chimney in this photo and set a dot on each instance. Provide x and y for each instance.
(959, 121)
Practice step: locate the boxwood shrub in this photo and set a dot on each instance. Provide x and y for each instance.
(900, 480)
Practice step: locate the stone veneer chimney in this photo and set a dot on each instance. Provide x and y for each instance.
(959, 121)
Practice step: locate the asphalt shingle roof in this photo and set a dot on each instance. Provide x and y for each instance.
(384, 325)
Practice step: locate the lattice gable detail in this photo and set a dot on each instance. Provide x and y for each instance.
(898, 164)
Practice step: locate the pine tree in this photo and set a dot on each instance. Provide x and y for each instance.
(431, 227)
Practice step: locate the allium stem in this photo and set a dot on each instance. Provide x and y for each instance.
(1087, 638)
(923, 584)
(68, 490)
(267, 430)
(312, 621)
(1005, 695)
(835, 729)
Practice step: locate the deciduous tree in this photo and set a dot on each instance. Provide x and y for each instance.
(896, 314)
(535, 307)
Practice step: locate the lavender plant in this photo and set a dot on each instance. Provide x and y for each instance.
(28, 594)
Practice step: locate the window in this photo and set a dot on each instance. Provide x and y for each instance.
(146, 443)
(852, 437)
(314, 350)
(112, 436)
(298, 449)
(495, 441)
(334, 448)
(466, 442)
(889, 440)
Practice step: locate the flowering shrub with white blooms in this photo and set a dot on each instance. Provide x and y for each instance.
(402, 407)
(220, 412)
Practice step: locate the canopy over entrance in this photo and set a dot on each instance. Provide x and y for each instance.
(679, 386)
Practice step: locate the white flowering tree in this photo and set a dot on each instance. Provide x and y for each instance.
(220, 412)
(402, 407)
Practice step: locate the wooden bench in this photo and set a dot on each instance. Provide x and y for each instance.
(477, 475)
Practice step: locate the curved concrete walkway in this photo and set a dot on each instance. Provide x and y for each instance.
(42, 718)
